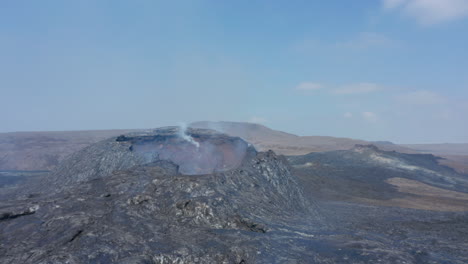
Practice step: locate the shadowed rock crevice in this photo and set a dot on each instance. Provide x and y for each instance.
(76, 235)
(18, 213)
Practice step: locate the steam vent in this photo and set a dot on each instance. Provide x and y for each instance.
(191, 151)
(195, 152)
(163, 196)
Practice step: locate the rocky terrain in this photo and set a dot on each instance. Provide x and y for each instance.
(35, 151)
(455, 155)
(366, 174)
(44, 150)
(264, 138)
(161, 196)
(153, 210)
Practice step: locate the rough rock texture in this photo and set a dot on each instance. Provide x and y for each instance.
(116, 205)
(148, 214)
(44, 150)
(117, 202)
(209, 152)
(369, 163)
(369, 175)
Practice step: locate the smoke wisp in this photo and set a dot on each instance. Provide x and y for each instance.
(194, 152)
(183, 134)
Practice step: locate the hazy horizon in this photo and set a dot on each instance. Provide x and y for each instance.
(394, 70)
(246, 122)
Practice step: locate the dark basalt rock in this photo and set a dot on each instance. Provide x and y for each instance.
(361, 147)
(6, 215)
(128, 200)
(208, 152)
(149, 214)
(365, 163)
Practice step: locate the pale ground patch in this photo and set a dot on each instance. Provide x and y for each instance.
(398, 164)
(423, 196)
(306, 165)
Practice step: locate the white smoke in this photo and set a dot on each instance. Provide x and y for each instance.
(183, 134)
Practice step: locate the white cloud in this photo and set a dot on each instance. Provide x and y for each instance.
(429, 12)
(309, 86)
(370, 116)
(348, 115)
(421, 97)
(359, 88)
(257, 120)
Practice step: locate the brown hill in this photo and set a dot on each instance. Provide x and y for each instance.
(44, 150)
(441, 149)
(264, 138)
(455, 155)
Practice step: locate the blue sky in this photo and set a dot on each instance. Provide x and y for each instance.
(371, 69)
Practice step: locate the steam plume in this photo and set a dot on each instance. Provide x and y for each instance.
(183, 134)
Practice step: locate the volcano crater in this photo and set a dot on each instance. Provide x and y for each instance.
(196, 152)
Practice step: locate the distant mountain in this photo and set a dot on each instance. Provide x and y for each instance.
(455, 154)
(441, 149)
(264, 138)
(44, 150)
(383, 142)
